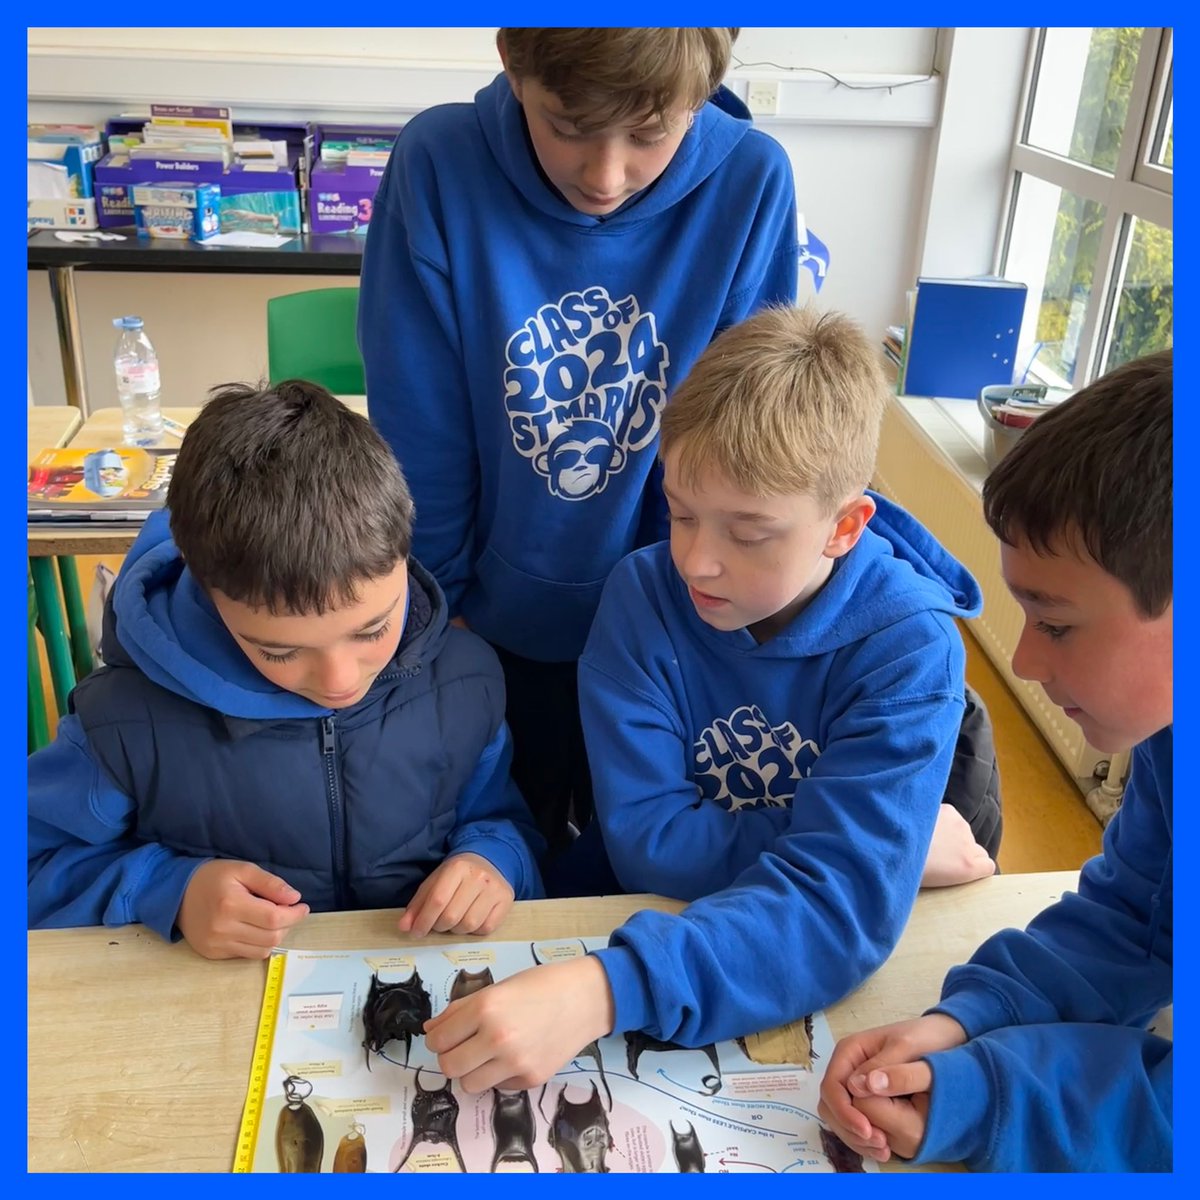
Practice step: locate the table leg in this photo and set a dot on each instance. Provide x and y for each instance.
(70, 343)
(58, 647)
(81, 650)
(37, 726)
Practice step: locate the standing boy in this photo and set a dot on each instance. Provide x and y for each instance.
(542, 268)
(1037, 1057)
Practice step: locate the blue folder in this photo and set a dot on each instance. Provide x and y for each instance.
(963, 336)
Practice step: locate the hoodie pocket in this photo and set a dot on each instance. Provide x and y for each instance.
(537, 618)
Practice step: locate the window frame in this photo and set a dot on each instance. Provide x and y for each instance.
(1137, 187)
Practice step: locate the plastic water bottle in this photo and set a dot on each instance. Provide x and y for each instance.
(136, 366)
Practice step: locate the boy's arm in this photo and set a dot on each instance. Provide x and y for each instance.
(660, 834)
(804, 925)
(417, 390)
(85, 867)
(1062, 1097)
(823, 908)
(495, 823)
(1103, 954)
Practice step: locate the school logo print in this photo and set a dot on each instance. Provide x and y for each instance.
(584, 386)
(743, 761)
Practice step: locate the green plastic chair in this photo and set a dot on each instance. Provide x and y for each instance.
(312, 335)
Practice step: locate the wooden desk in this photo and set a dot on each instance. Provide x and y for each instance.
(139, 1051)
(307, 254)
(52, 425)
(100, 430)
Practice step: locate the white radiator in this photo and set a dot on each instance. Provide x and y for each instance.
(916, 472)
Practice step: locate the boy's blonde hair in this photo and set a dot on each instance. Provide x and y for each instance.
(607, 76)
(788, 402)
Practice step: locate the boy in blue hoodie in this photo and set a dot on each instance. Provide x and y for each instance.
(285, 722)
(542, 269)
(772, 702)
(1037, 1057)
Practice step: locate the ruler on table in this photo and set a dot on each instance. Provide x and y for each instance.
(264, 1039)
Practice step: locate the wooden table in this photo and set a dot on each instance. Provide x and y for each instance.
(51, 425)
(139, 1051)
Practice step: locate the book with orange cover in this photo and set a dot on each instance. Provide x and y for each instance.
(122, 483)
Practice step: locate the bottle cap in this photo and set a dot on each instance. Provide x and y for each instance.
(127, 322)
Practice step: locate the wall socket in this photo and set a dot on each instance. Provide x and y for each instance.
(762, 97)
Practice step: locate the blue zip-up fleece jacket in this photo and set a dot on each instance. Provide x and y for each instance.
(1060, 1073)
(802, 776)
(180, 751)
(519, 353)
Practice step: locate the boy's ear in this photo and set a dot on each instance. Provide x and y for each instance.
(851, 520)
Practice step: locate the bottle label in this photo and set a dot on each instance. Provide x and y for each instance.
(139, 377)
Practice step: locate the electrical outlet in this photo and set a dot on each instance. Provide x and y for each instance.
(762, 97)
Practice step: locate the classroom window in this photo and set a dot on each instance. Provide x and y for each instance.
(1089, 219)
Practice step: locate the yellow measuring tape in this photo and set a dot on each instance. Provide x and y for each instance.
(263, 1041)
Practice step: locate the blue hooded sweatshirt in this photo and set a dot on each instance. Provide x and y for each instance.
(793, 785)
(180, 751)
(518, 352)
(1060, 1073)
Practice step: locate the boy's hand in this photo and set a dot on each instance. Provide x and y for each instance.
(898, 1106)
(466, 894)
(846, 1090)
(517, 1033)
(234, 909)
(954, 855)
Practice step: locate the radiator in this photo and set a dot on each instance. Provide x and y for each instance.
(922, 476)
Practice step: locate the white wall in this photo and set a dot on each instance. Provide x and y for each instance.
(861, 159)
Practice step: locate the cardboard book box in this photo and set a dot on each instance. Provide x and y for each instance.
(59, 178)
(259, 195)
(341, 197)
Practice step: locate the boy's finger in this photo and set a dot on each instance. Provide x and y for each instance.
(846, 1121)
(465, 1057)
(842, 1110)
(455, 909)
(486, 1075)
(263, 883)
(427, 910)
(265, 919)
(902, 1124)
(900, 1079)
(413, 909)
(492, 922)
(439, 1019)
(476, 915)
(452, 1026)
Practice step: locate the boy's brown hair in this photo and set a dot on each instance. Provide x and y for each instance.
(284, 498)
(607, 76)
(788, 402)
(1096, 471)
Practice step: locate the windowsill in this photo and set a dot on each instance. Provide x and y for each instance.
(956, 427)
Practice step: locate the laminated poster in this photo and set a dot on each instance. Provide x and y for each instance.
(342, 1081)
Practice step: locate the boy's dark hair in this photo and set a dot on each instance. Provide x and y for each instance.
(284, 498)
(606, 75)
(1098, 469)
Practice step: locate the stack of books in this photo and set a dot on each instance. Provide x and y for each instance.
(1018, 407)
(105, 488)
